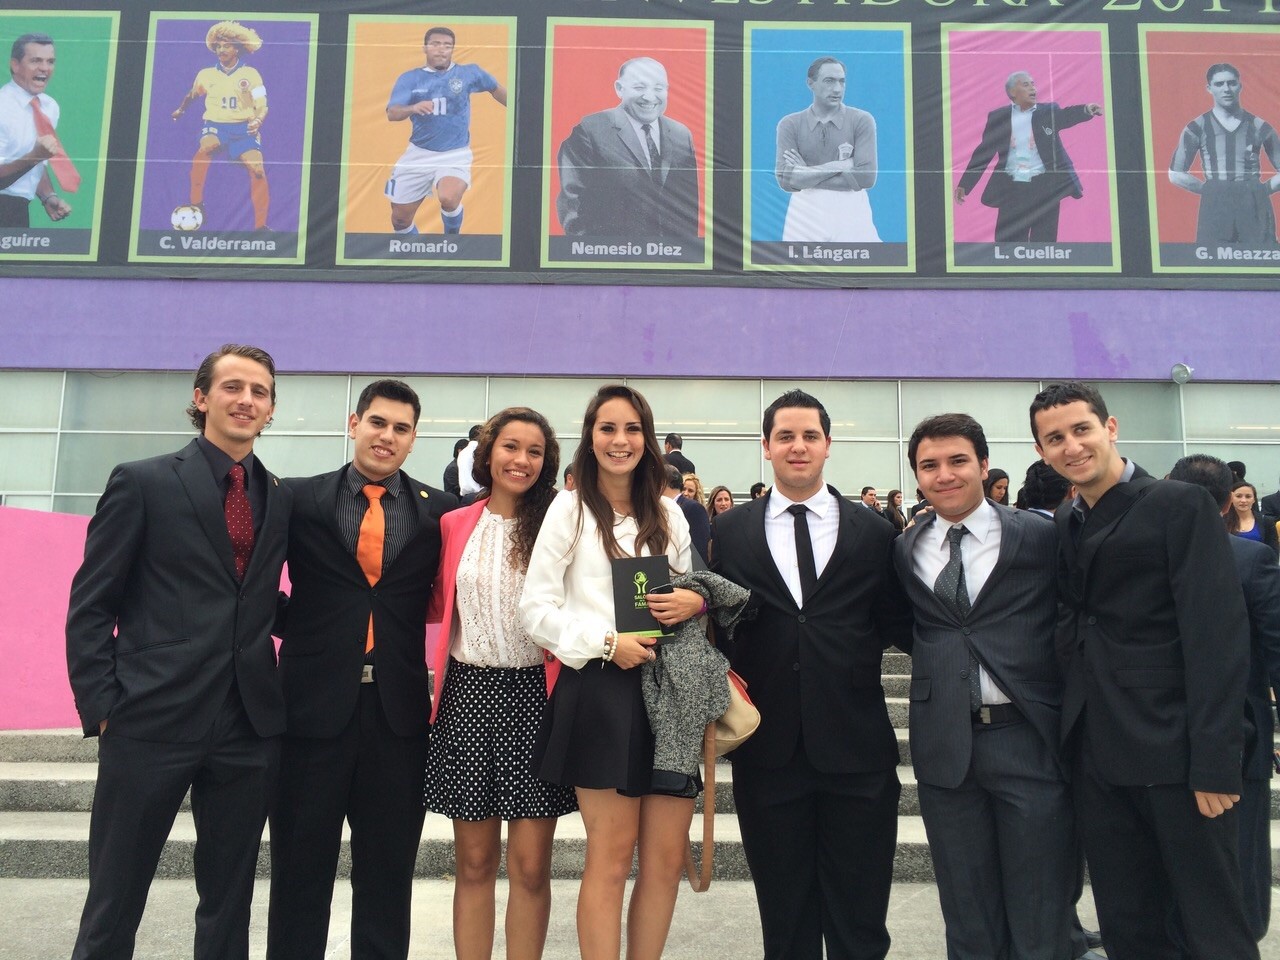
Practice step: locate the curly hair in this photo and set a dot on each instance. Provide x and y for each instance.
(532, 508)
(246, 38)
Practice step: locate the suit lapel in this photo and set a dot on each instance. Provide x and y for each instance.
(326, 492)
(274, 522)
(1011, 531)
(759, 545)
(664, 152)
(1104, 517)
(202, 490)
(847, 535)
(912, 580)
(627, 134)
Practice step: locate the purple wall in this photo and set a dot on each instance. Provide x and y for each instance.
(641, 331)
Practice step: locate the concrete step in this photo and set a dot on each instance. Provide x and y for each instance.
(895, 662)
(51, 746)
(39, 845)
(896, 685)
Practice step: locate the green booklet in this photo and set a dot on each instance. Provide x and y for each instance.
(633, 577)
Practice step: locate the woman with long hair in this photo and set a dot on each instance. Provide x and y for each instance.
(893, 510)
(1243, 522)
(597, 737)
(996, 486)
(693, 489)
(720, 500)
(491, 687)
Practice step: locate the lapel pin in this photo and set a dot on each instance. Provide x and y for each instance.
(422, 494)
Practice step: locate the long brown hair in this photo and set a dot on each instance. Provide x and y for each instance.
(1233, 518)
(532, 507)
(648, 480)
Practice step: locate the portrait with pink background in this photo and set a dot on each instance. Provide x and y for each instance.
(1067, 66)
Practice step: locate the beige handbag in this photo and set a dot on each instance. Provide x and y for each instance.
(733, 729)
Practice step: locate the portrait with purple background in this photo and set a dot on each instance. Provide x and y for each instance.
(178, 53)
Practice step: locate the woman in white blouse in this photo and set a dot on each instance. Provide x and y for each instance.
(598, 739)
(491, 688)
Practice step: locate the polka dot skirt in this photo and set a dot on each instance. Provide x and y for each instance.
(480, 761)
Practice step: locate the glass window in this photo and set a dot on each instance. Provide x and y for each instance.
(736, 464)
(127, 401)
(1232, 411)
(41, 501)
(85, 460)
(312, 404)
(1262, 459)
(287, 456)
(1144, 411)
(1155, 458)
(26, 461)
(561, 401)
(856, 464)
(83, 505)
(1000, 406)
(30, 399)
(429, 458)
(450, 405)
(858, 408)
(696, 406)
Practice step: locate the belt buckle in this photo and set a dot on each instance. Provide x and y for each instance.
(366, 675)
(984, 714)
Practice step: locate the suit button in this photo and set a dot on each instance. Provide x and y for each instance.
(964, 674)
(966, 631)
(795, 667)
(244, 596)
(801, 618)
(1091, 621)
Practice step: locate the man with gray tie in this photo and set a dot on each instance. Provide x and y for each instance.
(986, 693)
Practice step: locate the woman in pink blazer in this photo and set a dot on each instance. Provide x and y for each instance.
(491, 687)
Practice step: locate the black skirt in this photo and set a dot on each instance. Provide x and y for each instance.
(596, 733)
(480, 763)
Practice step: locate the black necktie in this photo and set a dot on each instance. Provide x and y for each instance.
(655, 158)
(954, 592)
(804, 552)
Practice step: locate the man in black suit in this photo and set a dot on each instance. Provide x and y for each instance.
(986, 693)
(870, 500)
(171, 661)
(1033, 171)
(816, 787)
(1154, 643)
(630, 172)
(1260, 579)
(673, 453)
(694, 512)
(1270, 504)
(353, 664)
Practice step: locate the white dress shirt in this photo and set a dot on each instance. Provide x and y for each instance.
(1024, 156)
(780, 534)
(567, 603)
(638, 127)
(18, 134)
(466, 459)
(979, 551)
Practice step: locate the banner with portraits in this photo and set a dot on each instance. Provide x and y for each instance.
(890, 143)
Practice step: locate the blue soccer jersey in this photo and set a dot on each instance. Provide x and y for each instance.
(448, 126)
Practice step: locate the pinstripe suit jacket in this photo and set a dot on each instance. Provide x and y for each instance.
(1011, 630)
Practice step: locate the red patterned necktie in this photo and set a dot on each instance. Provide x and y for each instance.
(369, 544)
(239, 519)
(68, 175)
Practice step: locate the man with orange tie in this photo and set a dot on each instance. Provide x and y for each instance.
(28, 143)
(364, 544)
(171, 662)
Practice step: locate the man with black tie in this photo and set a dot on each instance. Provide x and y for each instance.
(816, 787)
(172, 665)
(986, 693)
(1154, 644)
(364, 543)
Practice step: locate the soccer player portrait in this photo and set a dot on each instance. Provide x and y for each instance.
(436, 99)
(235, 105)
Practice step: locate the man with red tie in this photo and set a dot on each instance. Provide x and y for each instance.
(28, 144)
(172, 665)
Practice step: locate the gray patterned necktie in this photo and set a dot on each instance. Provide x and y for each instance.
(655, 158)
(954, 592)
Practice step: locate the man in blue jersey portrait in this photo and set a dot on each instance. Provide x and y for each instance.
(436, 99)
(1235, 202)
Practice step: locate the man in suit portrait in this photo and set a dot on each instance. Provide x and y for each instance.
(1260, 580)
(871, 500)
(673, 453)
(630, 172)
(816, 787)
(364, 543)
(986, 693)
(171, 661)
(1154, 644)
(1033, 170)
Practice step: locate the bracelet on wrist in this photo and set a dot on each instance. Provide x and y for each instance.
(610, 647)
(45, 200)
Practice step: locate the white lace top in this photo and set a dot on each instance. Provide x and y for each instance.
(486, 629)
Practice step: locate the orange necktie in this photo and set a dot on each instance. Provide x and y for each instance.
(373, 531)
(68, 175)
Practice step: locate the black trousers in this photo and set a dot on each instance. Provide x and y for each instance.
(820, 847)
(1153, 857)
(141, 783)
(372, 778)
(15, 212)
(1029, 211)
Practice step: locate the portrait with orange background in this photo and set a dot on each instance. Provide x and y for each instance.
(379, 51)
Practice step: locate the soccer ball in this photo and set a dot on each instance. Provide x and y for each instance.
(187, 217)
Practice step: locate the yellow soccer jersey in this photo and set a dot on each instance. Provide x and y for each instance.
(229, 97)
